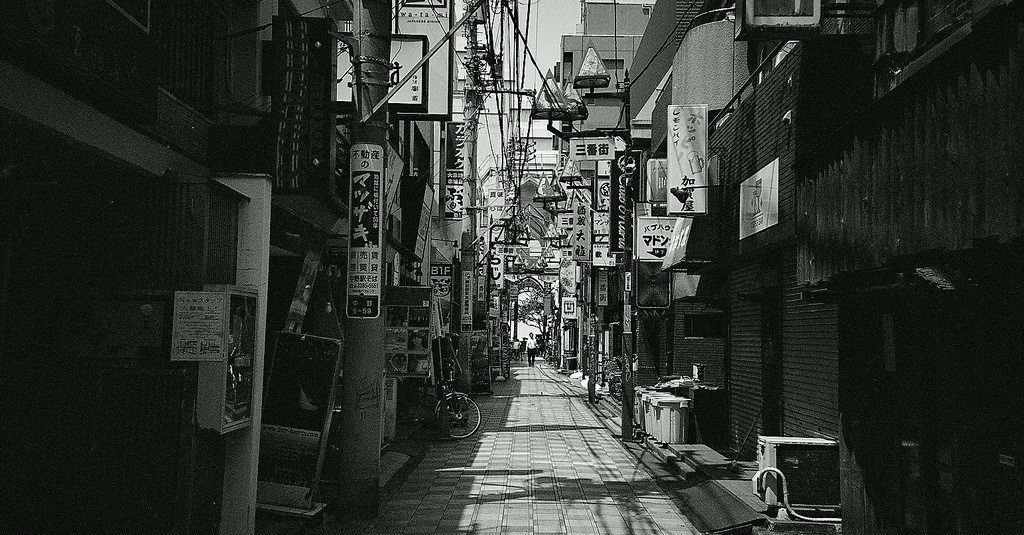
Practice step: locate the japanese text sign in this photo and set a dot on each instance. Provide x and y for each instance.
(441, 280)
(198, 326)
(569, 308)
(687, 180)
(623, 172)
(591, 148)
(580, 240)
(454, 195)
(364, 239)
(759, 200)
(653, 235)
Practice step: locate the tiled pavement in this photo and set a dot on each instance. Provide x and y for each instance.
(541, 464)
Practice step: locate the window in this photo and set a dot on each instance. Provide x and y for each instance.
(611, 64)
(704, 326)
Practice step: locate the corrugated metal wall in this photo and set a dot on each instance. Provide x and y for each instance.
(744, 375)
(687, 351)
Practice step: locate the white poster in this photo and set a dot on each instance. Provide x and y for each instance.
(365, 247)
(432, 19)
(582, 149)
(687, 160)
(759, 200)
(653, 235)
(454, 195)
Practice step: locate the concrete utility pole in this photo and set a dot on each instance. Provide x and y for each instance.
(362, 381)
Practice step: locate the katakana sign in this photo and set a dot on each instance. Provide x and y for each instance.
(591, 148)
(653, 235)
(364, 238)
(687, 160)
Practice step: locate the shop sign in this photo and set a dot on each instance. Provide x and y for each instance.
(467, 300)
(441, 280)
(569, 308)
(602, 288)
(406, 51)
(657, 180)
(759, 200)
(591, 148)
(602, 256)
(198, 327)
(626, 166)
(364, 238)
(455, 144)
(567, 276)
(431, 19)
(454, 195)
(687, 180)
(497, 259)
(603, 191)
(580, 240)
(653, 235)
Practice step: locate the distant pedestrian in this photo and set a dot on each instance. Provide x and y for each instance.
(531, 349)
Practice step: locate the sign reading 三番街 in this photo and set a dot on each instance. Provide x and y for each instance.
(364, 238)
(569, 307)
(454, 195)
(591, 148)
(653, 235)
(687, 160)
(759, 200)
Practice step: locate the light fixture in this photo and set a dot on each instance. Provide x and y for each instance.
(593, 73)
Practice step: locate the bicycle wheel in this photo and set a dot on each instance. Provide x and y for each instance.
(463, 415)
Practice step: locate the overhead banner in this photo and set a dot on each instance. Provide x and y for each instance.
(653, 235)
(759, 200)
(657, 180)
(687, 160)
(591, 148)
(431, 19)
(364, 237)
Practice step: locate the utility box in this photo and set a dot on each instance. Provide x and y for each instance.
(811, 467)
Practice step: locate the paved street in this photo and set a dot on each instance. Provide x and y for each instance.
(542, 464)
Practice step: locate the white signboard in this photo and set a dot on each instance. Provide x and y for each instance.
(198, 326)
(581, 239)
(569, 308)
(653, 235)
(431, 19)
(591, 148)
(677, 247)
(603, 256)
(687, 160)
(759, 200)
(467, 300)
(406, 50)
(454, 195)
(364, 241)
(602, 226)
(657, 180)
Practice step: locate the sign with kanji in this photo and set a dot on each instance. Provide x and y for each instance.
(454, 195)
(591, 148)
(624, 170)
(467, 300)
(603, 195)
(602, 288)
(569, 308)
(602, 227)
(567, 276)
(497, 258)
(441, 280)
(364, 238)
(602, 255)
(687, 167)
(653, 235)
(581, 239)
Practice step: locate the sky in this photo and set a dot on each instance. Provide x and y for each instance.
(556, 18)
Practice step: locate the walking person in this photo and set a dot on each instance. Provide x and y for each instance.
(531, 349)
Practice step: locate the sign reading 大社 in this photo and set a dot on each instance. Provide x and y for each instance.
(653, 235)
(687, 160)
(591, 148)
(364, 238)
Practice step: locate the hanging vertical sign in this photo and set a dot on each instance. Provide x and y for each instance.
(454, 195)
(567, 276)
(364, 237)
(441, 280)
(456, 143)
(603, 195)
(580, 240)
(621, 215)
(687, 160)
(653, 235)
(602, 288)
(569, 307)
(467, 300)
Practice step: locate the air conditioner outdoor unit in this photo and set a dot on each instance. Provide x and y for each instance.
(811, 468)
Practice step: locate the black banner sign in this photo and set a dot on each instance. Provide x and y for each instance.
(624, 168)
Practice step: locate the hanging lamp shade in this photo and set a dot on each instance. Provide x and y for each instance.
(550, 102)
(576, 104)
(549, 190)
(593, 73)
(570, 173)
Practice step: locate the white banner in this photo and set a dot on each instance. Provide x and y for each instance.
(687, 160)
(653, 235)
(581, 238)
(759, 200)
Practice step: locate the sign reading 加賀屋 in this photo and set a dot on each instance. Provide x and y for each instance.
(364, 238)
(687, 160)
(653, 235)
(591, 148)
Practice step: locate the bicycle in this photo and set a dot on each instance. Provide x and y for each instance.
(458, 415)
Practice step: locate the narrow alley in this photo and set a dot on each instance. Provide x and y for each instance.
(542, 463)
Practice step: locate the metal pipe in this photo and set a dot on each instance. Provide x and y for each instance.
(758, 479)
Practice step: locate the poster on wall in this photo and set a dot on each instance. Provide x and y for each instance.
(298, 402)
(364, 239)
(407, 339)
(687, 160)
(198, 326)
(653, 235)
(759, 200)
(657, 180)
